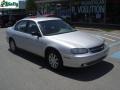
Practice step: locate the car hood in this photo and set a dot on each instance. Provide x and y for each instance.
(78, 39)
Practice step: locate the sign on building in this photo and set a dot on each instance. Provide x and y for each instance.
(9, 4)
(90, 6)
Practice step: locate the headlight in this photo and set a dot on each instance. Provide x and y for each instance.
(79, 51)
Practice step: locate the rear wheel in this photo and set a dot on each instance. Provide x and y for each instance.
(12, 46)
(54, 60)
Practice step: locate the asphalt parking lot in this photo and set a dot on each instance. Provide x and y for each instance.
(25, 71)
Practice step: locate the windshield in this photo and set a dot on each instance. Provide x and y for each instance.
(54, 27)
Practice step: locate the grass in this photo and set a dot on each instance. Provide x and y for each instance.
(108, 30)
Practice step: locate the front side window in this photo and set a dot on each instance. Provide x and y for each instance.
(32, 27)
(54, 27)
(21, 26)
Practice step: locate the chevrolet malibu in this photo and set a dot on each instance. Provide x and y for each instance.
(57, 42)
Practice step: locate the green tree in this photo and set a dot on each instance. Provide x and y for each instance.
(31, 7)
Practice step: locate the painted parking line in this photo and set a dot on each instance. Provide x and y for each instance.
(109, 32)
(106, 38)
(116, 34)
(112, 36)
(116, 55)
(114, 44)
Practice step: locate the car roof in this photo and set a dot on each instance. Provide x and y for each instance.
(38, 19)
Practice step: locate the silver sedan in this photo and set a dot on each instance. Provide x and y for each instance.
(57, 42)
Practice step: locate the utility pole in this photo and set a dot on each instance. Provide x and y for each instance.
(70, 5)
(105, 11)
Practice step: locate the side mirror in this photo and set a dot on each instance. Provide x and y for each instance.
(36, 34)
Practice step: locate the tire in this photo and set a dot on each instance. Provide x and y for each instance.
(54, 60)
(12, 46)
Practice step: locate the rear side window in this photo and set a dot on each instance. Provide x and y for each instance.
(21, 26)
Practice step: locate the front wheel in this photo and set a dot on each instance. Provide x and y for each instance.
(54, 60)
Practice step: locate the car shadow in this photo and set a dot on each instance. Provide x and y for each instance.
(89, 73)
(81, 74)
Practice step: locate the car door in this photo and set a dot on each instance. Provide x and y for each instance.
(20, 34)
(34, 42)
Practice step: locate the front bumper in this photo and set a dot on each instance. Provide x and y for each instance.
(84, 60)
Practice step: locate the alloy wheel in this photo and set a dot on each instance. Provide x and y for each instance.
(53, 60)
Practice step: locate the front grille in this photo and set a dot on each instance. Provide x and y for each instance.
(97, 48)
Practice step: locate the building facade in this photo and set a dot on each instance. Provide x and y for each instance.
(11, 11)
(83, 11)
